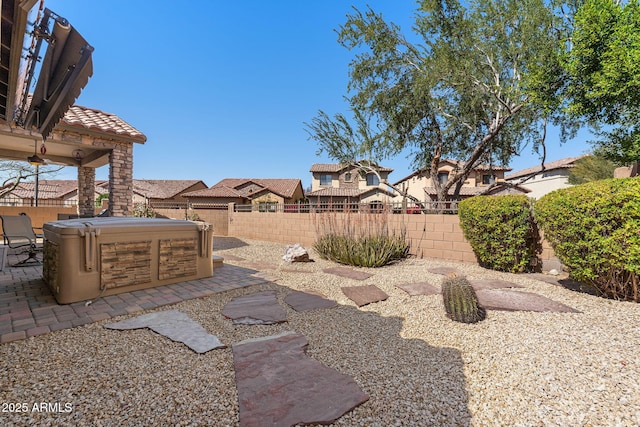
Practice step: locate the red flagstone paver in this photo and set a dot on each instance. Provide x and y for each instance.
(347, 272)
(363, 295)
(260, 308)
(492, 284)
(308, 300)
(502, 299)
(279, 385)
(419, 288)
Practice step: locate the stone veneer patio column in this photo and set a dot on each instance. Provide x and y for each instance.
(86, 191)
(121, 180)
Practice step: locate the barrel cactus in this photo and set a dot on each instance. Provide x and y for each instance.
(461, 301)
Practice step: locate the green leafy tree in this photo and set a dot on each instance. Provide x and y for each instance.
(591, 168)
(479, 86)
(603, 66)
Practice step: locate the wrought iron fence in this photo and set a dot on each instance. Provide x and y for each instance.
(41, 202)
(448, 207)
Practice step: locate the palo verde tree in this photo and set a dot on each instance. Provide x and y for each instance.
(478, 85)
(603, 66)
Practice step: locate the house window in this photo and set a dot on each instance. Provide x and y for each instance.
(488, 179)
(372, 179)
(325, 180)
(267, 207)
(376, 206)
(443, 177)
(347, 177)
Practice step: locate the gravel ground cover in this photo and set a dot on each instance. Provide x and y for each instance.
(418, 367)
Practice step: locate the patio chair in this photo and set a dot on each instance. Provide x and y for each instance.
(18, 234)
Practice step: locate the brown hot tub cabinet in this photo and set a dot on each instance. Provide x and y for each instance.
(90, 257)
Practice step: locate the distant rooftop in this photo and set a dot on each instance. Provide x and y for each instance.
(337, 167)
(565, 163)
(233, 187)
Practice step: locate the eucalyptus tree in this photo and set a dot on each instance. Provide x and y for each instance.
(603, 66)
(477, 81)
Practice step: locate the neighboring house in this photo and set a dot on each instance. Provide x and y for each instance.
(59, 192)
(554, 176)
(267, 193)
(53, 192)
(338, 184)
(420, 186)
(164, 192)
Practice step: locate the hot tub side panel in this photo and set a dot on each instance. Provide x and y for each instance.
(92, 263)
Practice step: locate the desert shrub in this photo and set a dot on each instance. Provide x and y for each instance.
(143, 210)
(594, 229)
(359, 239)
(460, 300)
(502, 232)
(192, 216)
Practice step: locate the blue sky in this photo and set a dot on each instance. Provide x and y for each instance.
(222, 89)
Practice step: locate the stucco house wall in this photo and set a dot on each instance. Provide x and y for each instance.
(415, 184)
(547, 182)
(540, 182)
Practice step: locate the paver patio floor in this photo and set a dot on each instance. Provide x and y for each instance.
(27, 307)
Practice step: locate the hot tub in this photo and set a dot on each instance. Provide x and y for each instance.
(90, 257)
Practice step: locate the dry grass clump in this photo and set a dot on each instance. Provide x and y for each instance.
(361, 239)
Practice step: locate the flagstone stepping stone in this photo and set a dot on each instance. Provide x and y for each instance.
(443, 270)
(347, 272)
(419, 288)
(308, 300)
(260, 265)
(176, 326)
(547, 278)
(261, 308)
(502, 299)
(293, 270)
(492, 284)
(279, 385)
(363, 295)
(230, 257)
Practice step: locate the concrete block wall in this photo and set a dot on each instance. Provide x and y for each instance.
(285, 228)
(39, 215)
(435, 236)
(219, 219)
(430, 236)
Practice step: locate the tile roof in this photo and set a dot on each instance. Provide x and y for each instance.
(326, 167)
(48, 188)
(97, 120)
(219, 192)
(150, 188)
(284, 187)
(460, 164)
(464, 191)
(475, 191)
(162, 188)
(336, 192)
(565, 163)
(337, 167)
